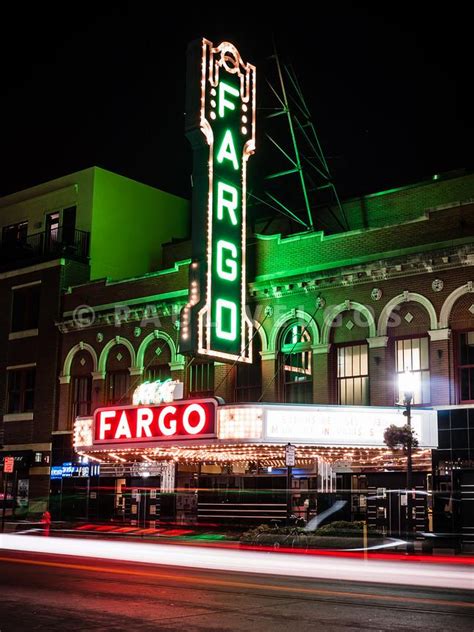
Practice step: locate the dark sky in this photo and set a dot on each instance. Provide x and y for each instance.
(86, 84)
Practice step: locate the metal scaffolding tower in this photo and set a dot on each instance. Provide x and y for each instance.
(297, 180)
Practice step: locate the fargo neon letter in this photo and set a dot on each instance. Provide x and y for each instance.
(220, 124)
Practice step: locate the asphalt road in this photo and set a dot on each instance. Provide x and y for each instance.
(59, 593)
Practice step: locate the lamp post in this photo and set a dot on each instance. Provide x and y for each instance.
(290, 460)
(406, 382)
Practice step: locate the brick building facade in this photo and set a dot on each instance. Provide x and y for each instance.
(337, 318)
(53, 236)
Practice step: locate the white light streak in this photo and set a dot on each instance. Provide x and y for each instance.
(309, 566)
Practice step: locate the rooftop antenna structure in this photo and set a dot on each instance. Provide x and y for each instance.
(299, 179)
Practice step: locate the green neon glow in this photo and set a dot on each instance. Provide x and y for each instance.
(227, 150)
(226, 328)
(223, 102)
(229, 204)
(295, 334)
(229, 274)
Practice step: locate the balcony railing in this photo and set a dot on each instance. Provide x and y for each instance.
(46, 245)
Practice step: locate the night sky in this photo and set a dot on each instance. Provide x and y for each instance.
(87, 85)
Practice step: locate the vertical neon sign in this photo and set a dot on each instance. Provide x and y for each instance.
(220, 124)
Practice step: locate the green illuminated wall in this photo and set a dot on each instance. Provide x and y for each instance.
(130, 222)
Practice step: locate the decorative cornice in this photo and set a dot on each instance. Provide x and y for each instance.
(98, 375)
(359, 274)
(377, 342)
(121, 313)
(320, 349)
(64, 379)
(268, 355)
(439, 334)
(135, 370)
(177, 366)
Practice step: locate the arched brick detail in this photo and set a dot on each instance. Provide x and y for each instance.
(448, 304)
(118, 340)
(157, 335)
(81, 346)
(293, 315)
(262, 334)
(332, 313)
(406, 297)
(121, 363)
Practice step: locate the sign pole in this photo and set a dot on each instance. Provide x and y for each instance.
(365, 538)
(8, 468)
(290, 459)
(88, 491)
(289, 470)
(61, 500)
(4, 500)
(14, 492)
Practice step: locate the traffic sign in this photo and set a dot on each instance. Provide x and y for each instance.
(290, 455)
(8, 464)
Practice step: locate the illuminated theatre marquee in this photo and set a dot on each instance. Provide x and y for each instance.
(130, 424)
(220, 124)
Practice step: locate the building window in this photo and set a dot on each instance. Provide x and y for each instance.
(295, 365)
(52, 227)
(15, 234)
(157, 362)
(353, 375)
(25, 308)
(156, 372)
(465, 367)
(200, 379)
(248, 377)
(21, 390)
(412, 354)
(81, 396)
(118, 386)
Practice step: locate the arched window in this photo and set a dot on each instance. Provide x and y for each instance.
(295, 364)
(353, 374)
(81, 385)
(118, 376)
(248, 377)
(412, 355)
(156, 365)
(350, 353)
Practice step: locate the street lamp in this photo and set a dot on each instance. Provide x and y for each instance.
(407, 387)
(290, 460)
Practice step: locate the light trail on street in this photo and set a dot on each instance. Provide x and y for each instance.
(459, 576)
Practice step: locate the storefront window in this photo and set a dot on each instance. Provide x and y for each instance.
(465, 367)
(412, 355)
(295, 363)
(353, 375)
(81, 396)
(118, 388)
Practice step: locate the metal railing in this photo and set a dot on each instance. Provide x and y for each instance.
(54, 243)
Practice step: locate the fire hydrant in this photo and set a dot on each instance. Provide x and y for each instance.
(46, 522)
